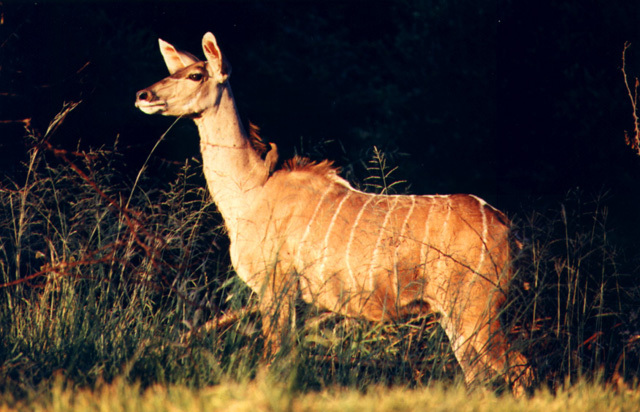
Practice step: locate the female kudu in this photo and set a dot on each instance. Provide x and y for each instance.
(303, 231)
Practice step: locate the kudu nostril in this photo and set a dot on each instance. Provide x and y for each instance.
(143, 95)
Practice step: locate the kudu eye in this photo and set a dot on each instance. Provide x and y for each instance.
(196, 77)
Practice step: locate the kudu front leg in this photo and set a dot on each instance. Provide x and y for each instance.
(277, 308)
(276, 325)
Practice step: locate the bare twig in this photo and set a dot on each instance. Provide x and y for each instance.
(632, 141)
(222, 321)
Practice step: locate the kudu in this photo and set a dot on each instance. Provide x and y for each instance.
(303, 232)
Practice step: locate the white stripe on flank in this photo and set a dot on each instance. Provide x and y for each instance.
(485, 231)
(351, 235)
(443, 232)
(425, 240)
(297, 261)
(403, 229)
(325, 245)
(376, 252)
(480, 200)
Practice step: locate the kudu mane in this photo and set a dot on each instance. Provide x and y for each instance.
(324, 168)
(256, 141)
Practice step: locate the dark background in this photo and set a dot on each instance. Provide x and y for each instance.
(519, 102)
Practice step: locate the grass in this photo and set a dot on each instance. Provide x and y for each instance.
(93, 287)
(263, 394)
(102, 278)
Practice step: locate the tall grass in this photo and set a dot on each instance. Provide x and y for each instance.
(104, 277)
(573, 307)
(97, 289)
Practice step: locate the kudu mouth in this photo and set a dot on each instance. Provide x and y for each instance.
(149, 103)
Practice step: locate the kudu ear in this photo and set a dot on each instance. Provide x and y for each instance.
(217, 61)
(174, 59)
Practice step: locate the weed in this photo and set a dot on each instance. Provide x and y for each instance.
(106, 278)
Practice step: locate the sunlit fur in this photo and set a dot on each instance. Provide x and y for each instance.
(303, 231)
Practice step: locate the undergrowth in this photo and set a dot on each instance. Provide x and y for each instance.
(572, 305)
(103, 278)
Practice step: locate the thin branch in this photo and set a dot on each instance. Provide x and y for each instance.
(634, 141)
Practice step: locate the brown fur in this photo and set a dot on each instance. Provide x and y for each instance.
(304, 231)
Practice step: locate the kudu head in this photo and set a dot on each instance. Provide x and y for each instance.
(193, 86)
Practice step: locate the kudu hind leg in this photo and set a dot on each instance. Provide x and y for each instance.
(463, 350)
(482, 352)
(495, 353)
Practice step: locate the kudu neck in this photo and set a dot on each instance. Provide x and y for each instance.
(234, 171)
